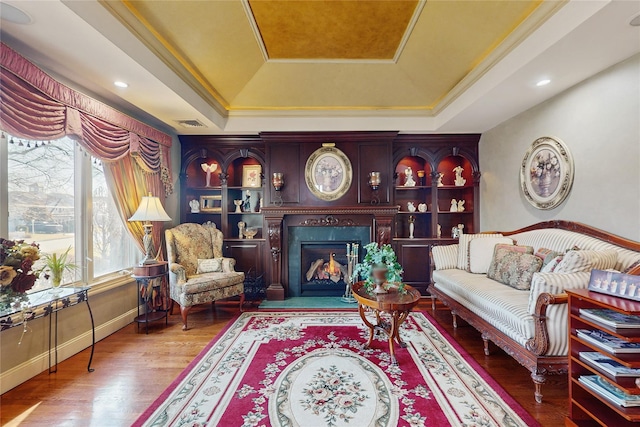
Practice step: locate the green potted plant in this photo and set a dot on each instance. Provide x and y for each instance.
(56, 265)
(379, 266)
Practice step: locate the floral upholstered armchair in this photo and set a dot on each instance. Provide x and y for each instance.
(198, 273)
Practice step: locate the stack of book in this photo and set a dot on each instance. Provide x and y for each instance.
(607, 365)
(609, 391)
(607, 342)
(611, 318)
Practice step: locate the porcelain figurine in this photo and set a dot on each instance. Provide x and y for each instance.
(412, 220)
(440, 176)
(454, 206)
(411, 207)
(459, 180)
(409, 181)
(460, 205)
(422, 207)
(195, 206)
(209, 169)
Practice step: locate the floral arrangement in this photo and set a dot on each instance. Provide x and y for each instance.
(329, 172)
(545, 163)
(380, 256)
(16, 271)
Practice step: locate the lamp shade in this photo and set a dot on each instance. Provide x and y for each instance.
(150, 209)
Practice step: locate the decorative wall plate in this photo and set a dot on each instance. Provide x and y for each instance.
(546, 173)
(328, 173)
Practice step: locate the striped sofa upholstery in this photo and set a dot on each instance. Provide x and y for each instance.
(511, 318)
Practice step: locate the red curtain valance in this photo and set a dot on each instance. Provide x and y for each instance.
(33, 105)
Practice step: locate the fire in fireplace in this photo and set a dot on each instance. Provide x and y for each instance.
(329, 267)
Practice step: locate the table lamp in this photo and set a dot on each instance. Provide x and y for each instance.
(150, 209)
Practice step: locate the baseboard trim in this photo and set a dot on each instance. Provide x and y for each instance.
(34, 366)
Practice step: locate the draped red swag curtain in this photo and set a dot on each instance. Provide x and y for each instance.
(136, 156)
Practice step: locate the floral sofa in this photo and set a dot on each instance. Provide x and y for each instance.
(198, 273)
(526, 317)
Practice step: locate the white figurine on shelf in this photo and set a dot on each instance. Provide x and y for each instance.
(209, 169)
(412, 221)
(440, 176)
(411, 207)
(459, 181)
(454, 206)
(439, 231)
(408, 181)
(422, 207)
(195, 206)
(460, 205)
(246, 206)
(241, 226)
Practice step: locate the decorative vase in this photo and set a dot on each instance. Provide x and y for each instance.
(379, 278)
(56, 281)
(544, 184)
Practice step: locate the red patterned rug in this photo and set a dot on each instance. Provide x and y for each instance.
(310, 369)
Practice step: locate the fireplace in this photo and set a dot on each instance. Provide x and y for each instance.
(288, 228)
(318, 258)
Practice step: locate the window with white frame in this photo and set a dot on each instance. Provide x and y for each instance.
(51, 187)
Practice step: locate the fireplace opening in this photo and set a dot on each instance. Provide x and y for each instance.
(327, 267)
(318, 258)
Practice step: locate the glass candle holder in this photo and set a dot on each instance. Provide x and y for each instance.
(374, 180)
(277, 181)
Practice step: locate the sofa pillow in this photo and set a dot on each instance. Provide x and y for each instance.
(481, 252)
(463, 247)
(576, 261)
(546, 255)
(445, 257)
(516, 248)
(212, 265)
(500, 251)
(514, 268)
(551, 266)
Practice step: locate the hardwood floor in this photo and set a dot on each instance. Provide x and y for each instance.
(132, 369)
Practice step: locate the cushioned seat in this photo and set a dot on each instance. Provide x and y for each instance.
(198, 273)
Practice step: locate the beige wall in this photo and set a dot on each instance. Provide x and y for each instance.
(599, 120)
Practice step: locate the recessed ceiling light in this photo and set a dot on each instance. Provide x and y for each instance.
(120, 84)
(13, 14)
(543, 82)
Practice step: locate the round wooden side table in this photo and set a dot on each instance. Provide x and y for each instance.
(398, 305)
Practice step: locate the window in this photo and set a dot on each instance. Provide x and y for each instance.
(112, 248)
(51, 187)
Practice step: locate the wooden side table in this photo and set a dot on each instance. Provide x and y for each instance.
(150, 276)
(397, 305)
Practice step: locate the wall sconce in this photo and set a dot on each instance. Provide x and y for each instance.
(277, 180)
(374, 183)
(374, 180)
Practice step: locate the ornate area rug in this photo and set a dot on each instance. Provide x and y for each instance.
(310, 369)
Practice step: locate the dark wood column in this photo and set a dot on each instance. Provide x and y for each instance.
(275, 290)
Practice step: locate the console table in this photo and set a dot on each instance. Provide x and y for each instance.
(150, 277)
(47, 303)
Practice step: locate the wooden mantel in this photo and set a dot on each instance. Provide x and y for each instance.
(379, 218)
